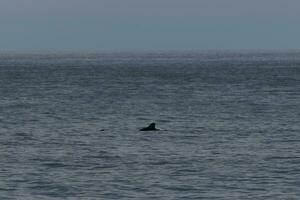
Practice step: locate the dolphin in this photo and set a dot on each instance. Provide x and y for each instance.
(151, 127)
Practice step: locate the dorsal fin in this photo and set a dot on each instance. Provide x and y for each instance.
(151, 127)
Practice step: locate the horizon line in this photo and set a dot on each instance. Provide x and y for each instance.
(146, 51)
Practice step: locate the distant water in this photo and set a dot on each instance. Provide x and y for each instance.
(230, 125)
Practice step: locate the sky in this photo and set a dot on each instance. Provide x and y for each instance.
(133, 25)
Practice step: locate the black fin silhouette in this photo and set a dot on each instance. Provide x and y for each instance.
(151, 127)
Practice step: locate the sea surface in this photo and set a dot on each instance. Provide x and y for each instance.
(229, 120)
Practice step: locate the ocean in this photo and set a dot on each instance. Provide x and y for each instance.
(228, 120)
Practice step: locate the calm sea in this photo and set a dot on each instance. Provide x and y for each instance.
(229, 120)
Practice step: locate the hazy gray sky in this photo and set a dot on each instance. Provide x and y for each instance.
(78, 25)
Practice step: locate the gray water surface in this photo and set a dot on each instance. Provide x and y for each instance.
(229, 120)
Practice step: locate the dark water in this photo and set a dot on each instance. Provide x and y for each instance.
(229, 120)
